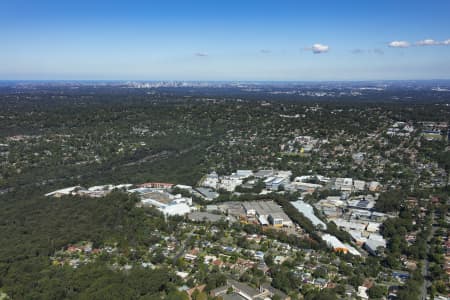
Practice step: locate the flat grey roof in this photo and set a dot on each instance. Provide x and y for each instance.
(263, 207)
(266, 208)
(233, 296)
(204, 216)
(244, 288)
(209, 193)
(263, 173)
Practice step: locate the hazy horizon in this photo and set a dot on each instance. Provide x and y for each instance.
(225, 41)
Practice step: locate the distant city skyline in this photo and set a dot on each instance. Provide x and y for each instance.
(226, 40)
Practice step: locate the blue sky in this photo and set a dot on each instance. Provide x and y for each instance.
(225, 40)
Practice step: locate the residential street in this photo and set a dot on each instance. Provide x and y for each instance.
(426, 263)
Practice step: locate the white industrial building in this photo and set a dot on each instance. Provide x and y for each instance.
(168, 204)
(263, 173)
(207, 194)
(66, 191)
(305, 186)
(176, 209)
(337, 245)
(273, 183)
(308, 211)
(211, 180)
(94, 191)
(359, 185)
(343, 184)
(373, 246)
(347, 225)
(229, 183)
(267, 212)
(242, 174)
(373, 227)
(374, 243)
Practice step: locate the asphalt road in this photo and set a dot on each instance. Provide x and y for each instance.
(426, 263)
(182, 249)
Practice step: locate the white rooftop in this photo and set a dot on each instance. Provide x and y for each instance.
(65, 191)
(308, 211)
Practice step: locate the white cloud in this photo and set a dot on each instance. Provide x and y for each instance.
(201, 54)
(319, 48)
(399, 44)
(427, 42)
